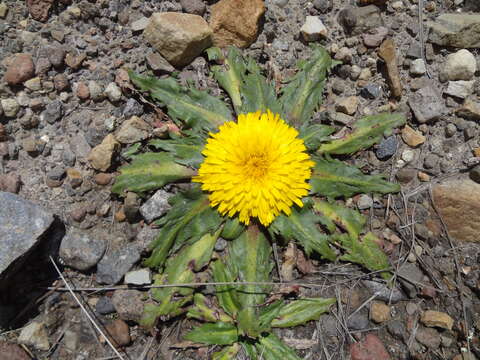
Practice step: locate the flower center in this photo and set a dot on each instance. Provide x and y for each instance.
(256, 166)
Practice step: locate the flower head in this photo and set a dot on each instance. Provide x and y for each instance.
(256, 167)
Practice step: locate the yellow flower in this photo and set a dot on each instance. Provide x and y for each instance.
(256, 167)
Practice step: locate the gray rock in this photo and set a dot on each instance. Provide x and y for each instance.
(417, 67)
(460, 65)
(460, 89)
(114, 265)
(105, 306)
(145, 237)
(358, 20)
(35, 334)
(414, 51)
(358, 321)
(313, 29)
(132, 107)
(322, 5)
(156, 206)
(133, 130)
(131, 206)
(397, 329)
(96, 91)
(57, 173)
(428, 337)
(139, 277)
(371, 91)
(456, 30)
(53, 112)
(196, 7)
(426, 104)
(364, 202)
(387, 148)
(69, 158)
(279, 3)
(128, 304)
(410, 275)
(475, 174)
(22, 224)
(329, 324)
(384, 292)
(81, 251)
(431, 160)
(158, 63)
(140, 24)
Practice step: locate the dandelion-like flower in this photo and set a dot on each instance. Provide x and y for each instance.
(256, 167)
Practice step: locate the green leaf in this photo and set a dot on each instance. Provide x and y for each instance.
(303, 92)
(366, 132)
(249, 259)
(226, 294)
(268, 313)
(301, 225)
(227, 353)
(180, 270)
(185, 150)
(270, 347)
(232, 228)
(243, 81)
(314, 135)
(349, 219)
(333, 178)
(203, 309)
(299, 312)
(218, 333)
(250, 349)
(130, 152)
(229, 76)
(150, 171)
(196, 109)
(176, 223)
(365, 252)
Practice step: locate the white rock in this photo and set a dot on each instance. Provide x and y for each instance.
(313, 29)
(364, 202)
(96, 91)
(113, 92)
(138, 277)
(10, 107)
(460, 89)
(408, 155)
(156, 206)
(417, 67)
(35, 334)
(460, 65)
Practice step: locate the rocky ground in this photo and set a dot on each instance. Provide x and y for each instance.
(68, 114)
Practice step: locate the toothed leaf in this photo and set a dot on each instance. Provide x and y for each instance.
(314, 135)
(350, 220)
(366, 132)
(272, 348)
(302, 94)
(203, 309)
(299, 312)
(184, 150)
(226, 294)
(334, 178)
(218, 333)
(150, 171)
(301, 226)
(227, 353)
(196, 109)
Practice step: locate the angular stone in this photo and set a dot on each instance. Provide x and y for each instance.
(458, 202)
(139, 277)
(128, 304)
(81, 251)
(469, 110)
(180, 38)
(379, 312)
(39, 9)
(411, 137)
(158, 63)
(313, 29)
(35, 334)
(428, 337)
(22, 224)
(10, 183)
(370, 348)
(12, 352)
(196, 7)
(439, 319)
(156, 206)
(114, 265)
(10, 107)
(388, 54)
(360, 20)
(20, 69)
(113, 92)
(100, 156)
(456, 30)
(133, 130)
(460, 65)
(347, 105)
(140, 24)
(417, 67)
(236, 22)
(460, 89)
(375, 37)
(426, 104)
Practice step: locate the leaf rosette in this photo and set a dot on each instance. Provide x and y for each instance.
(266, 173)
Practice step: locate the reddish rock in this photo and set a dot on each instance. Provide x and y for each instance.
(12, 352)
(78, 214)
(60, 81)
(119, 332)
(20, 69)
(10, 183)
(39, 9)
(370, 348)
(102, 178)
(236, 22)
(83, 93)
(388, 53)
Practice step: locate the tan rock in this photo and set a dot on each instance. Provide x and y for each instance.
(424, 177)
(133, 130)
(469, 110)
(458, 202)
(236, 22)
(412, 137)
(179, 37)
(100, 156)
(347, 105)
(388, 54)
(476, 152)
(118, 332)
(439, 319)
(379, 312)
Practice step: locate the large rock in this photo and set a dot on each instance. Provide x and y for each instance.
(81, 251)
(458, 202)
(22, 224)
(359, 20)
(460, 65)
(456, 30)
(236, 22)
(180, 38)
(426, 104)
